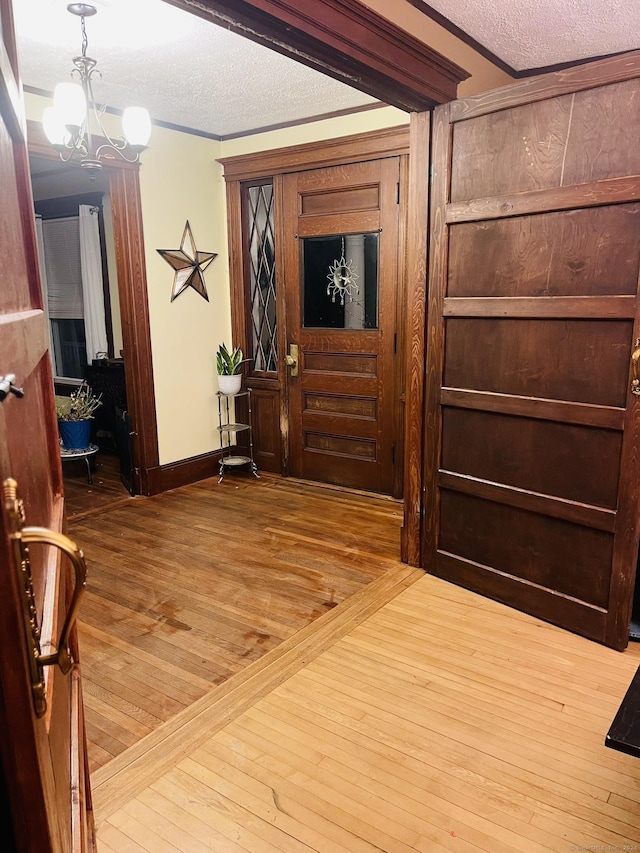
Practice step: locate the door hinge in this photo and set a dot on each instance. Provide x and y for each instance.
(395, 343)
(398, 193)
(393, 454)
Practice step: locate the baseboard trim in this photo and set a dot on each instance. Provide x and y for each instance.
(162, 478)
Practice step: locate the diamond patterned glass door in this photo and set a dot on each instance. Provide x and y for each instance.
(259, 223)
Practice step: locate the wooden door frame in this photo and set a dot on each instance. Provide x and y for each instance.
(345, 40)
(124, 190)
(390, 142)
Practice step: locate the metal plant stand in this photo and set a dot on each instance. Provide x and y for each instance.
(228, 429)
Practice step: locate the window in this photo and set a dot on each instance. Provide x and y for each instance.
(258, 222)
(61, 243)
(73, 284)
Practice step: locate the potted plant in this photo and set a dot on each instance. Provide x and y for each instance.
(229, 367)
(75, 414)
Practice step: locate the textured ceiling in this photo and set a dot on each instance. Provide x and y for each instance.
(192, 73)
(548, 32)
(185, 70)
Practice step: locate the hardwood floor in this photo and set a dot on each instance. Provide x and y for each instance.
(425, 719)
(188, 588)
(83, 498)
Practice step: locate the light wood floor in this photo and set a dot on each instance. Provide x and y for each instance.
(419, 718)
(190, 587)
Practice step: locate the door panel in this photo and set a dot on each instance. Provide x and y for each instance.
(341, 403)
(532, 478)
(40, 756)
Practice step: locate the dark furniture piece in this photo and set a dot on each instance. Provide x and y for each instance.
(624, 733)
(105, 376)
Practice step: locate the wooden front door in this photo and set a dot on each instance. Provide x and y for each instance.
(532, 469)
(341, 266)
(44, 781)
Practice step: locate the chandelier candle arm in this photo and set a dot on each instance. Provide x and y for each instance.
(68, 123)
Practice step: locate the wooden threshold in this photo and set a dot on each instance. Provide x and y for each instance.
(130, 772)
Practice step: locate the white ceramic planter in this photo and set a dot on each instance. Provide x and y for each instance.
(230, 384)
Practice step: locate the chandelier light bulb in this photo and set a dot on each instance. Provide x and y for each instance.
(136, 125)
(70, 124)
(70, 104)
(54, 128)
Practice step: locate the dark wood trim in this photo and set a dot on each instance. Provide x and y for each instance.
(574, 79)
(235, 230)
(302, 121)
(577, 513)
(373, 145)
(441, 144)
(587, 414)
(162, 478)
(401, 331)
(134, 312)
(616, 307)
(414, 322)
(625, 560)
(345, 40)
(608, 191)
(283, 330)
(530, 597)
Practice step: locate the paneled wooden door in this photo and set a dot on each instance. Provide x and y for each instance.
(532, 465)
(43, 777)
(341, 270)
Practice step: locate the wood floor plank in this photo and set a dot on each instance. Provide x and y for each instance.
(190, 587)
(410, 715)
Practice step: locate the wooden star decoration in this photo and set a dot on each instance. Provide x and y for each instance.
(189, 265)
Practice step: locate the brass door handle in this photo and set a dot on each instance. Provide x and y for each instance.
(635, 379)
(21, 538)
(42, 535)
(291, 359)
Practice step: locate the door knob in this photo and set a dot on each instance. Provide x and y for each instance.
(291, 359)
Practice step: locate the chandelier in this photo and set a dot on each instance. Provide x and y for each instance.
(68, 123)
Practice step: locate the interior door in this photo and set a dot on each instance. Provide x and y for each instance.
(42, 741)
(532, 469)
(341, 263)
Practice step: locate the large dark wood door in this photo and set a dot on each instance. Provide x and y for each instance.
(532, 467)
(44, 780)
(341, 266)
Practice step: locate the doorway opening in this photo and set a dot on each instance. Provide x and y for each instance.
(80, 297)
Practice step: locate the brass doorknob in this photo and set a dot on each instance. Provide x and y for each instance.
(291, 359)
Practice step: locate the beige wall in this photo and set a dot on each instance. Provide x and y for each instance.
(179, 181)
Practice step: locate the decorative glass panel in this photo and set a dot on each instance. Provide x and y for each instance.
(262, 276)
(340, 281)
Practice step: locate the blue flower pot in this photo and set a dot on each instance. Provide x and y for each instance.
(75, 435)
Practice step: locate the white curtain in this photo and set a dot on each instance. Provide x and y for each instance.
(92, 292)
(43, 281)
